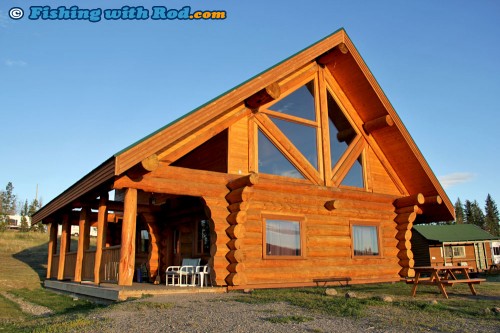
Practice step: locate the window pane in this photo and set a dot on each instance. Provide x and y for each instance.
(300, 103)
(341, 131)
(355, 175)
(204, 237)
(365, 240)
(303, 137)
(272, 161)
(282, 238)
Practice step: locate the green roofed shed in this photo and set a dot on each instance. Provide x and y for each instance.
(454, 233)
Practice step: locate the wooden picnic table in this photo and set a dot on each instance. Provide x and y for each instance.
(443, 276)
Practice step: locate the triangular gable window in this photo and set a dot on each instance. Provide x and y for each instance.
(354, 177)
(272, 161)
(341, 131)
(300, 103)
(303, 137)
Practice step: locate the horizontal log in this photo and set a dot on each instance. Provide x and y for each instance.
(235, 244)
(436, 199)
(235, 256)
(330, 56)
(407, 272)
(403, 235)
(237, 218)
(236, 279)
(238, 206)
(409, 209)
(266, 95)
(410, 263)
(405, 218)
(240, 194)
(248, 180)
(405, 254)
(332, 204)
(378, 123)
(236, 231)
(346, 135)
(404, 226)
(236, 268)
(404, 245)
(415, 199)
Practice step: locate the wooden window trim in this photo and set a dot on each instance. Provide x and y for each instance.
(358, 150)
(286, 217)
(377, 225)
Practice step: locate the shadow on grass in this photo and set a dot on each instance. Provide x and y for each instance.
(36, 258)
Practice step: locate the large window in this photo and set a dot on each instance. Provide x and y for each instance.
(365, 240)
(283, 237)
(454, 251)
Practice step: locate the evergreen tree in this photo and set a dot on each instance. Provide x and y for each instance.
(459, 212)
(492, 218)
(473, 214)
(7, 205)
(33, 207)
(24, 218)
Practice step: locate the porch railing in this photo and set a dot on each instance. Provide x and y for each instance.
(88, 265)
(69, 265)
(55, 266)
(110, 263)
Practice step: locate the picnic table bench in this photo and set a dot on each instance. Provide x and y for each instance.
(443, 276)
(338, 279)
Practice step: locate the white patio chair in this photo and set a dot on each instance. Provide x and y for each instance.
(172, 275)
(202, 275)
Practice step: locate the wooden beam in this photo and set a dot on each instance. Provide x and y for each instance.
(415, 199)
(377, 123)
(433, 200)
(248, 180)
(84, 224)
(264, 96)
(52, 247)
(148, 164)
(330, 56)
(346, 134)
(332, 204)
(64, 246)
(102, 219)
(237, 217)
(127, 251)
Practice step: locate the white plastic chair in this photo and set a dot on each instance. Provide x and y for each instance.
(172, 275)
(201, 272)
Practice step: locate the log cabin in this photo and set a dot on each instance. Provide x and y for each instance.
(303, 172)
(457, 244)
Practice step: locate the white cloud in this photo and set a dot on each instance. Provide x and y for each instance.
(455, 178)
(15, 63)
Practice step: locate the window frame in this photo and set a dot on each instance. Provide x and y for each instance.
(198, 250)
(286, 218)
(374, 224)
(452, 249)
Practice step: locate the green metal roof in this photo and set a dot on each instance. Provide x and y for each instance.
(454, 233)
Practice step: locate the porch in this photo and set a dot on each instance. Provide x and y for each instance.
(114, 292)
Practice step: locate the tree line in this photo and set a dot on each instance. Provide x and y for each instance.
(9, 205)
(470, 212)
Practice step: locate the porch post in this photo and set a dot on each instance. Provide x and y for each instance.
(127, 251)
(82, 235)
(52, 247)
(102, 218)
(65, 244)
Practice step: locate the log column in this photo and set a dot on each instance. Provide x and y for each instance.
(52, 247)
(127, 251)
(102, 219)
(65, 244)
(84, 224)
(407, 209)
(238, 204)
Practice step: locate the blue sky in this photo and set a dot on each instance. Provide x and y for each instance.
(73, 93)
